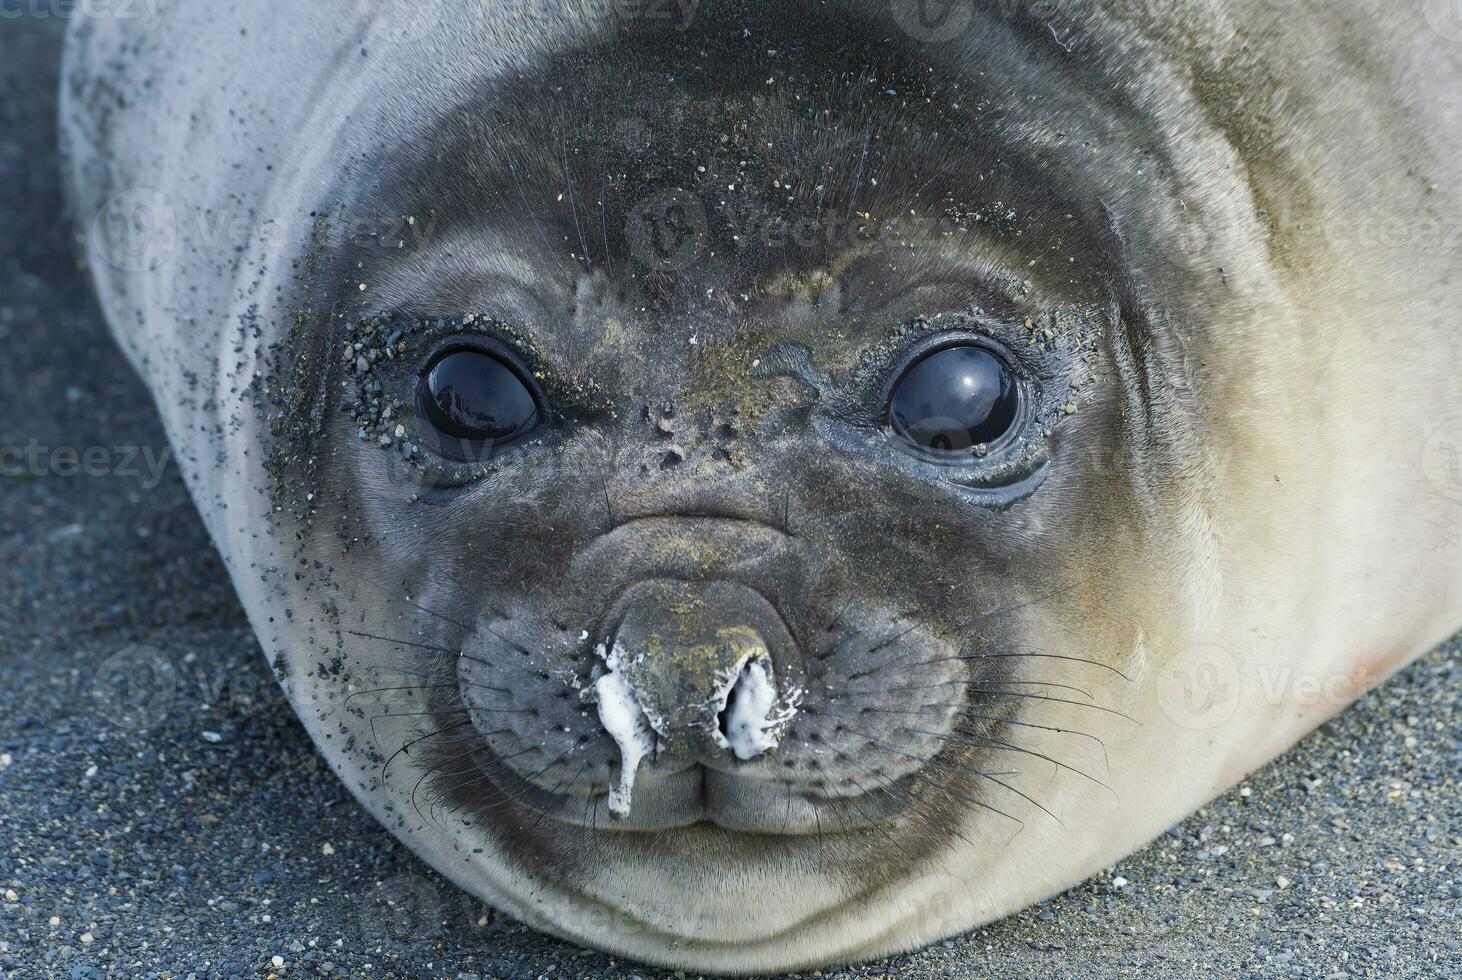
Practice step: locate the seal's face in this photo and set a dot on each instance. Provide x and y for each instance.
(760, 478)
(792, 481)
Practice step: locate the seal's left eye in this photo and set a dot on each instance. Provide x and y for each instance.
(473, 396)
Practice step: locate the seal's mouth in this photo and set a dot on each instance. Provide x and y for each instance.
(699, 794)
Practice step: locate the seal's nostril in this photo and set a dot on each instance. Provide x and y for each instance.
(748, 725)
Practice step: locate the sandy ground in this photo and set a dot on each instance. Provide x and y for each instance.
(215, 844)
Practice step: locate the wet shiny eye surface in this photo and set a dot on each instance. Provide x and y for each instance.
(473, 397)
(955, 399)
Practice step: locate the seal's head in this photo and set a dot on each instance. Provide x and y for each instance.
(779, 488)
(729, 456)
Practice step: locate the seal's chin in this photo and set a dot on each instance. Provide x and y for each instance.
(699, 794)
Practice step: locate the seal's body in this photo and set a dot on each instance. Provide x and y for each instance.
(752, 485)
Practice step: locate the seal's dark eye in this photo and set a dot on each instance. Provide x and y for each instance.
(474, 397)
(955, 399)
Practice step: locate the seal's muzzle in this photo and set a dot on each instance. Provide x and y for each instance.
(690, 677)
(694, 653)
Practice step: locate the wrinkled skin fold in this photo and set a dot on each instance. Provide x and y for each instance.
(1214, 244)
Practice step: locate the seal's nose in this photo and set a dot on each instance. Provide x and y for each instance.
(688, 673)
(699, 659)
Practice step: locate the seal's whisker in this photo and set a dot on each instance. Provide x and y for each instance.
(475, 741)
(848, 640)
(879, 647)
(993, 693)
(1012, 747)
(399, 699)
(409, 714)
(511, 797)
(393, 592)
(995, 613)
(1047, 656)
(1001, 611)
(927, 819)
(406, 747)
(573, 200)
(591, 806)
(405, 643)
(452, 684)
(515, 797)
(787, 814)
(994, 777)
(838, 616)
(591, 811)
(1002, 680)
(817, 821)
(950, 683)
(403, 687)
(969, 712)
(1054, 684)
(604, 222)
(608, 505)
(1029, 799)
(988, 742)
(932, 761)
(441, 768)
(854, 802)
(583, 767)
(904, 804)
(439, 615)
(940, 787)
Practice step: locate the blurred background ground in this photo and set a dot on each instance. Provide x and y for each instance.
(216, 844)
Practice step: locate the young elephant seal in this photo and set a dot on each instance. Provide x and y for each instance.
(752, 485)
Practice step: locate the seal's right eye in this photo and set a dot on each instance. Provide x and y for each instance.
(474, 397)
(954, 399)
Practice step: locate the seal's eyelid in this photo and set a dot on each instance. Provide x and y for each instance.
(434, 334)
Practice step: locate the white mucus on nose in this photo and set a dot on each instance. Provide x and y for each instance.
(749, 725)
(625, 722)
